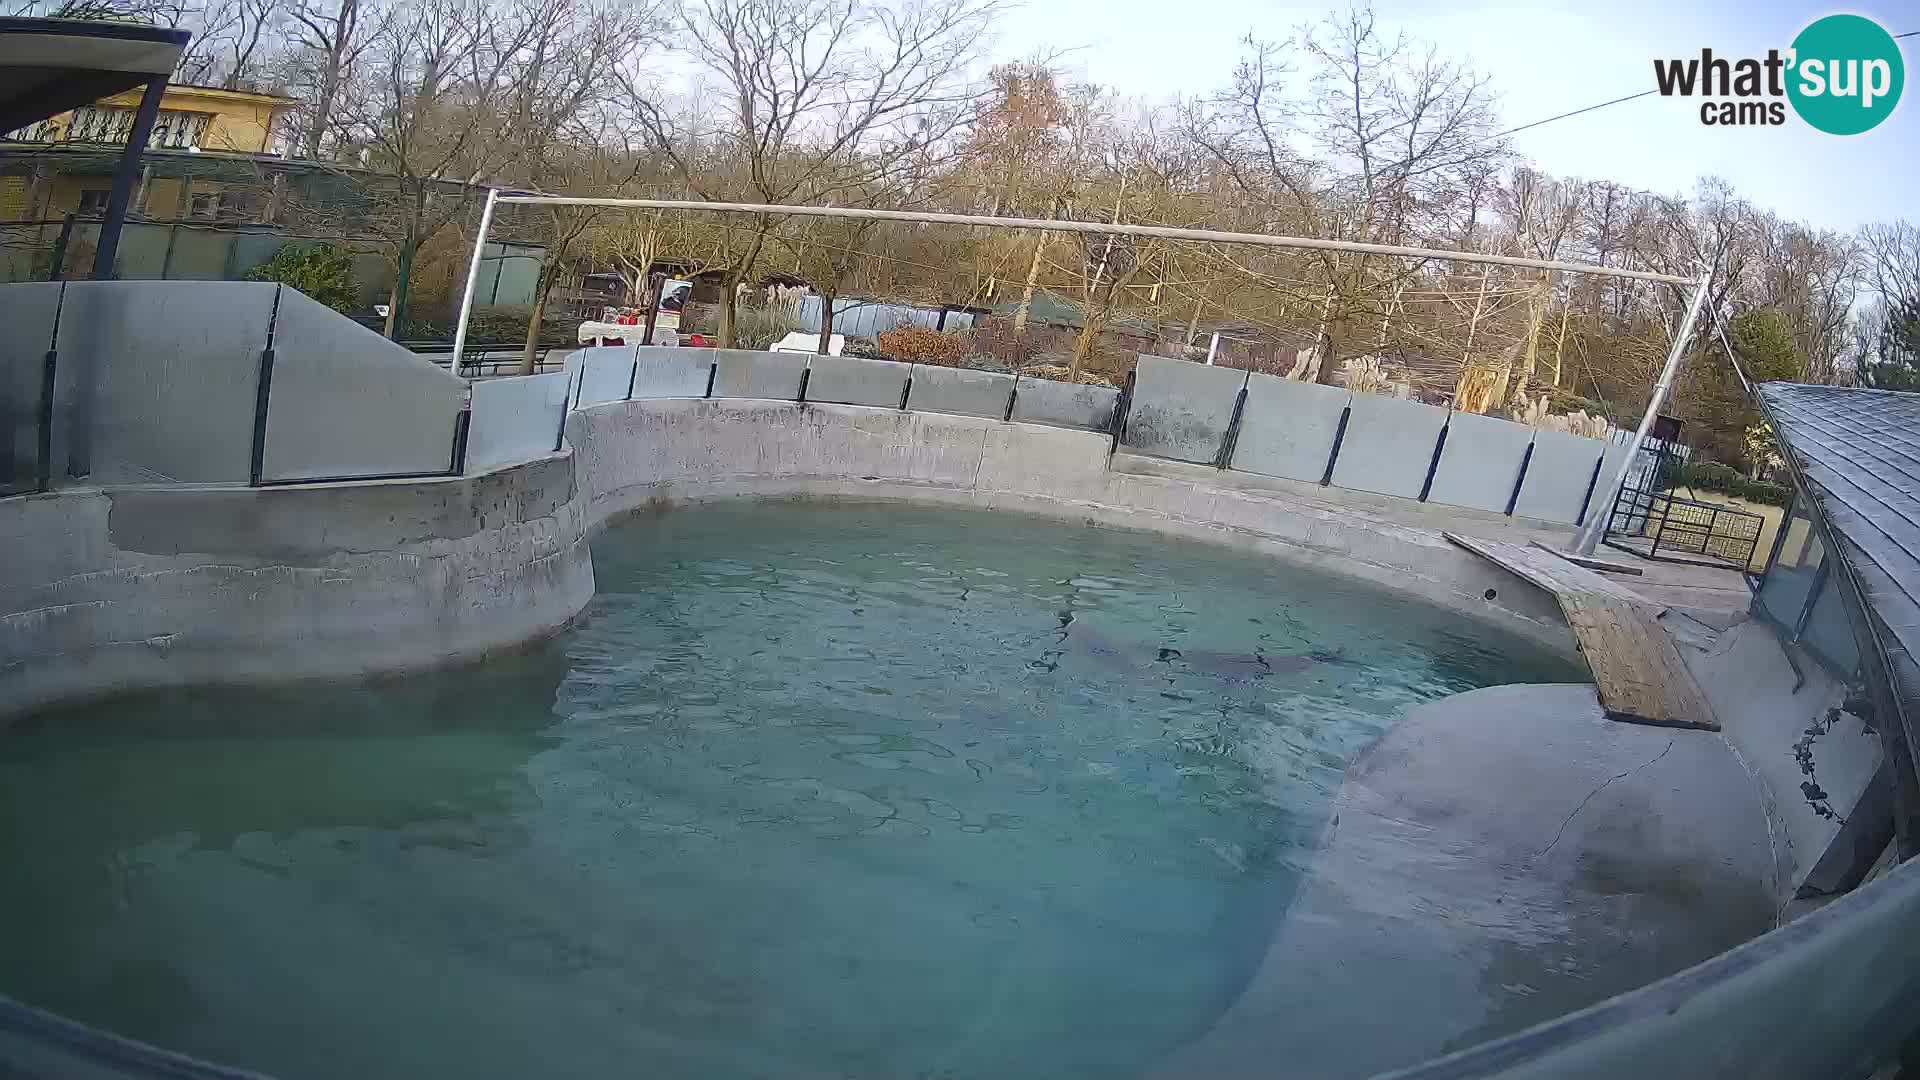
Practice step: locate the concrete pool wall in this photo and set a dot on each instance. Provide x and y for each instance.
(107, 590)
(639, 454)
(124, 588)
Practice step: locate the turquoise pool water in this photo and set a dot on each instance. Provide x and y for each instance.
(860, 791)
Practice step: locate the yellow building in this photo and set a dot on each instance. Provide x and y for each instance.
(57, 169)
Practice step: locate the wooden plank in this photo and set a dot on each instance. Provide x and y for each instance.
(1545, 569)
(1637, 669)
(1605, 566)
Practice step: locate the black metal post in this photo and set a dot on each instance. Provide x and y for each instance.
(653, 310)
(43, 421)
(60, 249)
(106, 254)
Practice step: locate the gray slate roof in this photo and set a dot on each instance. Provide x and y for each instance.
(1860, 452)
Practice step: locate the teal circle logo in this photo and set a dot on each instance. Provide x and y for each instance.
(1847, 74)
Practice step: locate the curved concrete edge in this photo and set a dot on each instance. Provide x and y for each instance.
(121, 589)
(656, 454)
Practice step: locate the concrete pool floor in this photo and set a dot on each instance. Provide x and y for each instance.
(1497, 858)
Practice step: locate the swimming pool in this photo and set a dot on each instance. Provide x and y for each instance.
(833, 790)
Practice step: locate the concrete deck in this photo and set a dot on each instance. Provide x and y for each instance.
(1500, 858)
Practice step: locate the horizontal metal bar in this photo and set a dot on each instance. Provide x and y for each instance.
(1096, 228)
(440, 474)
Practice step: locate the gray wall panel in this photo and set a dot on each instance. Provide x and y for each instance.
(1180, 409)
(855, 380)
(348, 402)
(27, 310)
(605, 372)
(515, 419)
(1480, 463)
(743, 373)
(1059, 404)
(1288, 427)
(174, 366)
(1388, 446)
(1557, 477)
(672, 373)
(960, 392)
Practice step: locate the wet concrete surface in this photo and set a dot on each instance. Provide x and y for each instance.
(1502, 857)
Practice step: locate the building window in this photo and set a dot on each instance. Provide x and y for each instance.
(179, 130)
(93, 202)
(205, 207)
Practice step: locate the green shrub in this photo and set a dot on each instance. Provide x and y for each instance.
(503, 325)
(1727, 480)
(760, 327)
(320, 270)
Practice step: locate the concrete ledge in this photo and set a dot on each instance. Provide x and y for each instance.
(114, 590)
(960, 392)
(739, 373)
(857, 380)
(1180, 409)
(1043, 401)
(638, 454)
(671, 372)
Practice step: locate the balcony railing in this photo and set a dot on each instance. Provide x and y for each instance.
(109, 125)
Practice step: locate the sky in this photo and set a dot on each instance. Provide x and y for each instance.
(1547, 57)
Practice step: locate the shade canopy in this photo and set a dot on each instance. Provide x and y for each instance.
(51, 66)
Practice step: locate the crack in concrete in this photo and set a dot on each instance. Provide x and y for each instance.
(1598, 790)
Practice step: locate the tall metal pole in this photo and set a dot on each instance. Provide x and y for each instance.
(106, 253)
(473, 278)
(1600, 511)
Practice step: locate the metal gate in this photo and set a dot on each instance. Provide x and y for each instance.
(1661, 525)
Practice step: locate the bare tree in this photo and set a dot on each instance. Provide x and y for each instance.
(422, 109)
(327, 42)
(821, 98)
(232, 44)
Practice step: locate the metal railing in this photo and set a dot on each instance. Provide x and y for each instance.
(1660, 525)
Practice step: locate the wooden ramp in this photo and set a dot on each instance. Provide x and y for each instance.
(1636, 666)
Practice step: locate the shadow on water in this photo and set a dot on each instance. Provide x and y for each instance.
(108, 803)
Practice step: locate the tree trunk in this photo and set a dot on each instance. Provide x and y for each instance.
(724, 333)
(1560, 344)
(1193, 321)
(1096, 320)
(1536, 311)
(547, 274)
(1326, 345)
(393, 306)
(403, 272)
(1469, 371)
(826, 323)
(1083, 346)
(1026, 293)
(734, 281)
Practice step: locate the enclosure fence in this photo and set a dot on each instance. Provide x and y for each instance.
(1592, 529)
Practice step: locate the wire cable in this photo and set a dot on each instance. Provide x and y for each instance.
(1576, 112)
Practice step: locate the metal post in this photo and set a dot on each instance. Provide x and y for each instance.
(1589, 536)
(473, 278)
(659, 290)
(58, 273)
(107, 252)
(1213, 346)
